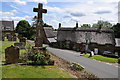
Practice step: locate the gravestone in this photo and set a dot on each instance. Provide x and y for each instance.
(3, 38)
(20, 45)
(12, 54)
(10, 38)
(14, 38)
(23, 39)
(8, 35)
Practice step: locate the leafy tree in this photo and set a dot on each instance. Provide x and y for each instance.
(105, 24)
(35, 22)
(23, 28)
(116, 29)
(86, 25)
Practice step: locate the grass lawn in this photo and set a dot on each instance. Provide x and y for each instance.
(102, 58)
(6, 44)
(25, 71)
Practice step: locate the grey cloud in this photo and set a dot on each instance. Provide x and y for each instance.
(78, 14)
(66, 17)
(102, 12)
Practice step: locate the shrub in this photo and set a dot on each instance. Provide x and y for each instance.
(76, 66)
(36, 57)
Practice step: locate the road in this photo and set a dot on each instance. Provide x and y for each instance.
(100, 69)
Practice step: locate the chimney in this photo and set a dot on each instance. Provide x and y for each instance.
(59, 25)
(99, 28)
(76, 24)
(13, 24)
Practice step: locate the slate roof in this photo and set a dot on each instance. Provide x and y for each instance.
(7, 25)
(78, 35)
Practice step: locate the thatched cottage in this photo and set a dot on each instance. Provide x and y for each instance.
(77, 37)
(49, 34)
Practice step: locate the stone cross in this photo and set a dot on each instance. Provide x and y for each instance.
(40, 10)
(39, 29)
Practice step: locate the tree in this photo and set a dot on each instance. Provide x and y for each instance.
(23, 28)
(105, 24)
(116, 29)
(86, 25)
(35, 22)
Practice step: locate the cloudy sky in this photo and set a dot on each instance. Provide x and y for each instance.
(67, 12)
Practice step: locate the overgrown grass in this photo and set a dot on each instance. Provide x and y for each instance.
(27, 71)
(102, 58)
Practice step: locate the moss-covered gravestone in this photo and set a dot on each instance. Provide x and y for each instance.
(12, 54)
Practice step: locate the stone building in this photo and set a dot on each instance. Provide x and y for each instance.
(7, 27)
(77, 37)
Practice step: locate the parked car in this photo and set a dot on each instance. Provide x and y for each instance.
(110, 54)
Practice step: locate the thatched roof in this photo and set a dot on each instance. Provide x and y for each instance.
(85, 29)
(79, 35)
(7, 25)
(49, 32)
(55, 33)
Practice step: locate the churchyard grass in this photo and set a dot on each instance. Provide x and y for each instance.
(29, 71)
(18, 71)
(102, 58)
(6, 44)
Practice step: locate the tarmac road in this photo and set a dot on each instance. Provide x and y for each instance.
(100, 69)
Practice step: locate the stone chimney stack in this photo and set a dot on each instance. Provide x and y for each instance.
(13, 24)
(100, 27)
(59, 25)
(76, 24)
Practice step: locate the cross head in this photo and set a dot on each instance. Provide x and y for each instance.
(40, 10)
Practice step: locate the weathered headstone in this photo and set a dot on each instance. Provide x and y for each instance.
(20, 45)
(14, 38)
(8, 35)
(10, 38)
(12, 54)
(3, 38)
(23, 39)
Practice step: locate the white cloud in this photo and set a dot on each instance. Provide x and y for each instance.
(16, 19)
(109, 1)
(20, 2)
(54, 9)
(38, 1)
(14, 7)
(8, 14)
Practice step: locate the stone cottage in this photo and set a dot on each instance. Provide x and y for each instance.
(77, 37)
(7, 28)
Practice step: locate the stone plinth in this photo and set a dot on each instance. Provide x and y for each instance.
(41, 49)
